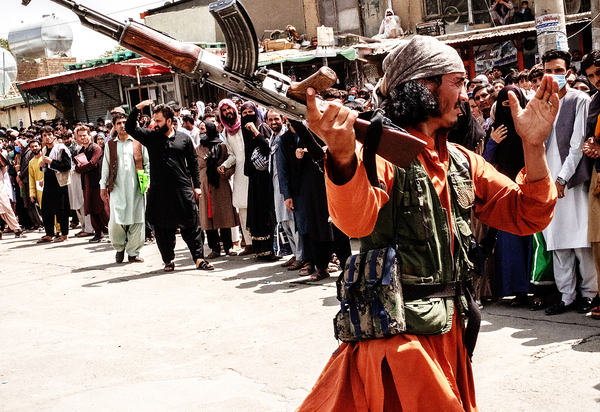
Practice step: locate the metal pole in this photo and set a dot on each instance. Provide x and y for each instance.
(470, 13)
(28, 107)
(3, 74)
(595, 8)
(551, 26)
(139, 83)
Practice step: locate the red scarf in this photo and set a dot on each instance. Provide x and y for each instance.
(233, 129)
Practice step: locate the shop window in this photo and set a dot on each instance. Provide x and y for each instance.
(457, 11)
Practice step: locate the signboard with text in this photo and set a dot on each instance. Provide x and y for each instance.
(547, 23)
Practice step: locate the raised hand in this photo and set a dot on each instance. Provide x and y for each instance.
(335, 126)
(499, 134)
(251, 127)
(143, 104)
(534, 122)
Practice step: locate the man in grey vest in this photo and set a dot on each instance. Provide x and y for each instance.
(566, 236)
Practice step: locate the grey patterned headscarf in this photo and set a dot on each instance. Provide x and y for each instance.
(418, 58)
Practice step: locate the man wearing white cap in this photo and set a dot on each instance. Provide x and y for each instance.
(428, 367)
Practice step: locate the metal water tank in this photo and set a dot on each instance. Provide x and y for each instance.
(40, 38)
(8, 65)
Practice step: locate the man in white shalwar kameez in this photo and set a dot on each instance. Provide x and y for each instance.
(126, 227)
(231, 122)
(566, 236)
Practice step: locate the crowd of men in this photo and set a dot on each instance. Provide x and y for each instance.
(241, 176)
(231, 171)
(514, 197)
(557, 258)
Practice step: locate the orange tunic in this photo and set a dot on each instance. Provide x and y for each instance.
(428, 373)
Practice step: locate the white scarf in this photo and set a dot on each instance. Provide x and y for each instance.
(55, 152)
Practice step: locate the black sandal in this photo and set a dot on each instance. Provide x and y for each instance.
(204, 265)
(169, 267)
(537, 304)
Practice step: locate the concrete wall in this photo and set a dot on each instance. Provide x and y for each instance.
(10, 117)
(348, 16)
(276, 14)
(410, 12)
(311, 16)
(192, 25)
(192, 22)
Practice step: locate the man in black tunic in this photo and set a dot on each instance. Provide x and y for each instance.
(56, 159)
(174, 184)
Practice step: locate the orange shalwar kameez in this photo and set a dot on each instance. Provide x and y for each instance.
(428, 372)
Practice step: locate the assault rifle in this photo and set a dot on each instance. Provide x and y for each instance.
(239, 72)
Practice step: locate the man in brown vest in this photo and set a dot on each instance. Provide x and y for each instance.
(125, 160)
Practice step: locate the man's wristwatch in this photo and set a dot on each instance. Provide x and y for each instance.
(561, 181)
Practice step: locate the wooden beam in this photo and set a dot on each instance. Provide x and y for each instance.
(471, 52)
(520, 53)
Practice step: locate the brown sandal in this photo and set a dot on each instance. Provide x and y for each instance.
(169, 267)
(320, 274)
(307, 269)
(595, 314)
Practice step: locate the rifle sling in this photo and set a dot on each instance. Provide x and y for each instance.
(314, 149)
(370, 146)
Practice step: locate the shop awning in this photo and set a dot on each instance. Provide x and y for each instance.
(300, 56)
(481, 36)
(126, 68)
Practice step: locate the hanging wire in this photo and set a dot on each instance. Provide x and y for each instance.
(584, 27)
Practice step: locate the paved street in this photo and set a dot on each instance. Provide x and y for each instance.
(79, 332)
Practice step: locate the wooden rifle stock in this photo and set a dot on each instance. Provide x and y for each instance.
(159, 47)
(397, 147)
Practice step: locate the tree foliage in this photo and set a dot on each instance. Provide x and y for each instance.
(109, 53)
(4, 44)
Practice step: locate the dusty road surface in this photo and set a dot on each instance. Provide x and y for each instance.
(79, 332)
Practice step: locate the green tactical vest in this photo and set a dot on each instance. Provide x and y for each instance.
(423, 238)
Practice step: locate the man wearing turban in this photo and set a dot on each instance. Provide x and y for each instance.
(427, 368)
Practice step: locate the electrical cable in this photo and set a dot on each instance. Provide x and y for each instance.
(584, 27)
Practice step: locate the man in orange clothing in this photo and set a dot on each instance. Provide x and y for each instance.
(427, 368)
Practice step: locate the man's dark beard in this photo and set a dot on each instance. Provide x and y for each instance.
(35, 152)
(229, 118)
(164, 129)
(411, 103)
